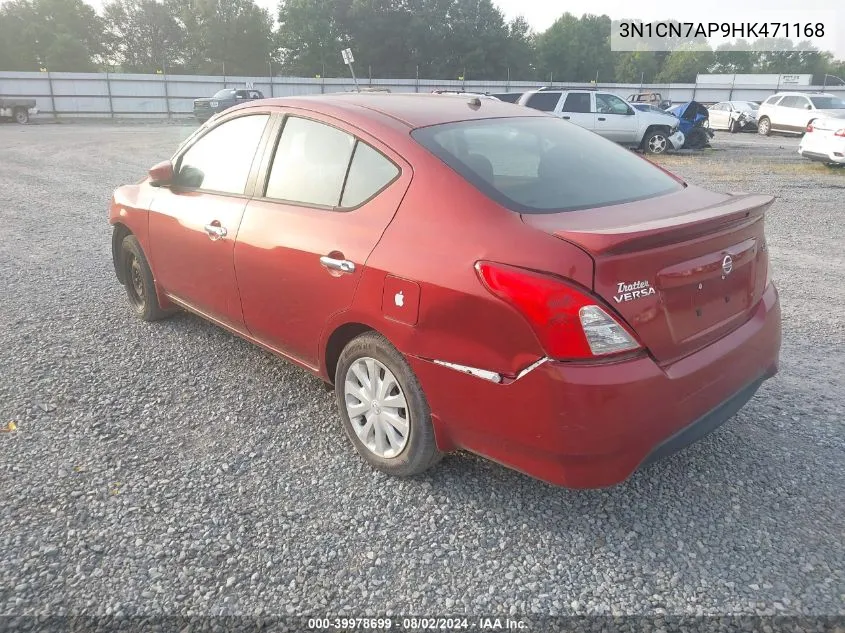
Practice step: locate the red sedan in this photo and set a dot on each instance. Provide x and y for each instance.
(467, 274)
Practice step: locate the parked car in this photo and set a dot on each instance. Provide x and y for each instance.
(18, 109)
(222, 100)
(694, 121)
(793, 111)
(609, 116)
(647, 107)
(734, 116)
(824, 140)
(486, 278)
(654, 98)
(510, 97)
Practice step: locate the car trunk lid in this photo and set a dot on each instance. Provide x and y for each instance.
(682, 269)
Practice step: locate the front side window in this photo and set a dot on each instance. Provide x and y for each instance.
(543, 164)
(577, 102)
(222, 158)
(828, 103)
(611, 104)
(544, 101)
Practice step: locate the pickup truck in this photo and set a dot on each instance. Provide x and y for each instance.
(204, 109)
(17, 109)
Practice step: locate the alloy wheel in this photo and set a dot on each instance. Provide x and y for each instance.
(377, 407)
(657, 144)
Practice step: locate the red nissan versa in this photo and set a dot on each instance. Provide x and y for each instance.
(468, 274)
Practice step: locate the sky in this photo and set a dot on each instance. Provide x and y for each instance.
(540, 14)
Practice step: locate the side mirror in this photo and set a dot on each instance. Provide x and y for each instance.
(161, 174)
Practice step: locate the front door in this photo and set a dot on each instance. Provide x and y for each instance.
(615, 119)
(302, 246)
(193, 224)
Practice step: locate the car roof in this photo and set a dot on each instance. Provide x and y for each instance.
(408, 109)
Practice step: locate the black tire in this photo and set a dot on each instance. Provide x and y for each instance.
(138, 281)
(764, 126)
(656, 142)
(420, 451)
(733, 127)
(22, 116)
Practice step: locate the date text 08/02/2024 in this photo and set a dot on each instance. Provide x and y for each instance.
(417, 624)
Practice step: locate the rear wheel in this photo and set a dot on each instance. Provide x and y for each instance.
(138, 281)
(22, 115)
(656, 142)
(383, 408)
(764, 126)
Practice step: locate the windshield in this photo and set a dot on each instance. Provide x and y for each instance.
(544, 164)
(828, 103)
(224, 94)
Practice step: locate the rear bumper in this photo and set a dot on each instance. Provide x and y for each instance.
(591, 426)
(829, 157)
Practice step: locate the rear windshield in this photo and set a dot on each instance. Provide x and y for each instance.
(543, 164)
(828, 103)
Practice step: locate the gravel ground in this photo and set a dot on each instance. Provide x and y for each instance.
(173, 468)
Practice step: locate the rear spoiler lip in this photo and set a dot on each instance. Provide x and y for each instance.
(736, 210)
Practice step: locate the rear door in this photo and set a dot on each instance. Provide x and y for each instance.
(578, 107)
(719, 116)
(325, 196)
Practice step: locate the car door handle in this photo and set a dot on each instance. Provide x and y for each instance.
(566, 117)
(215, 231)
(601, 118)
(343, 265)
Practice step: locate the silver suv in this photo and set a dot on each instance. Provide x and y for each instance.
(793, 111)
(609, 116)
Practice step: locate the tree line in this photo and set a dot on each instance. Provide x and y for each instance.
(430, 39)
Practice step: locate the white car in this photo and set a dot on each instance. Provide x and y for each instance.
(733, 116)
(824, 141)
(609, 116)
(793, 111)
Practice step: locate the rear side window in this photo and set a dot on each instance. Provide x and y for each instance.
(773, 100)
(310, 163)
(577, 102)
(543, 164)
(369, 173)
(544, 101)
(221, 159)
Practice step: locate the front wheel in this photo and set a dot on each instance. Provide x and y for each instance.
(656, 143)
(733, 127)
(22, 116)
(764, 126)
(383, 408)
(138, 280)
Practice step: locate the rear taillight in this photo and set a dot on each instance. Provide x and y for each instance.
(840, 132)
(809, 127)
(569, 323)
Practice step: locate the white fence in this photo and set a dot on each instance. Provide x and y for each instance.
(171, 96)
